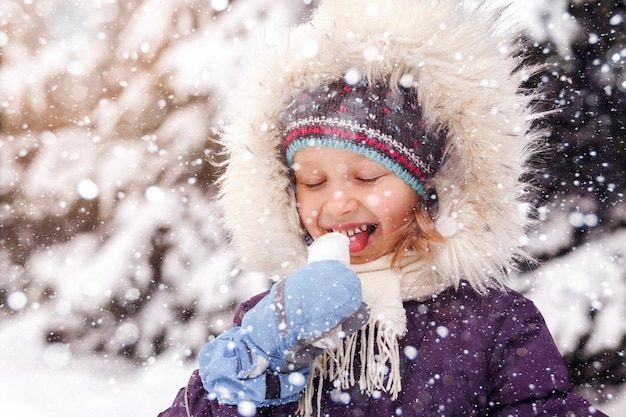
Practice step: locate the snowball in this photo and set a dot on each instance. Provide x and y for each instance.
(331, 246)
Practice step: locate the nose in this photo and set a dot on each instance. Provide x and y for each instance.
(340, 202)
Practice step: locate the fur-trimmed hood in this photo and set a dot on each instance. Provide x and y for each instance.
(463, 61)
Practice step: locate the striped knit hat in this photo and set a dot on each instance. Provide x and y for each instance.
(378, 122)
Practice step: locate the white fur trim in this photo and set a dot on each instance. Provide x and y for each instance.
(460, 59)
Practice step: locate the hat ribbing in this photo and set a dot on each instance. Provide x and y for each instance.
(376, 121)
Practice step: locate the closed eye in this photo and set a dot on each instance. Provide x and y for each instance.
(312, 185)
(369, 180)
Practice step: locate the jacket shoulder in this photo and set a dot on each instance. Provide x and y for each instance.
(508, 352)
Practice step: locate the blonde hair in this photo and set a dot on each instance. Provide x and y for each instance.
(416, 235)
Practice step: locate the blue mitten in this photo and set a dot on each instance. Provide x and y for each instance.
(281, 336)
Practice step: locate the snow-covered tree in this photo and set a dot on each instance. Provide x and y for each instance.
(110, 112)
(580, 284)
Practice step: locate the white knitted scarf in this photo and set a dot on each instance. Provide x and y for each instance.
(384, 289)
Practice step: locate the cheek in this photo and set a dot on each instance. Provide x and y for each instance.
(380, 199)
(308, 218)
(373, 200)
(308, 214)
(394, 207)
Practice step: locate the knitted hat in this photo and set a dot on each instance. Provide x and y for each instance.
(375, 121)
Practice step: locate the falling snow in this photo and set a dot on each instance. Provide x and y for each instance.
(114, 270)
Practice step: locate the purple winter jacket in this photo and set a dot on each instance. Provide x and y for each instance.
(477, 355)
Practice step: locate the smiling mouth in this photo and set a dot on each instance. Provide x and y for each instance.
(365, 228)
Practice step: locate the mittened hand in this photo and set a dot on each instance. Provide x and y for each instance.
(280, 337)
(303, 309)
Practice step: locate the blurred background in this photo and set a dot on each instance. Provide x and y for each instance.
(114, 270)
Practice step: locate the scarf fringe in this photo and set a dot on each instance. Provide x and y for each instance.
(380, 366)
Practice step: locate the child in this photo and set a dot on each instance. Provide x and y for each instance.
(398, 124)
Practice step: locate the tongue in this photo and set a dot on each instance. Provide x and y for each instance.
(358, 242)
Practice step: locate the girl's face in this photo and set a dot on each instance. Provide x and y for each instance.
(341, 191)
